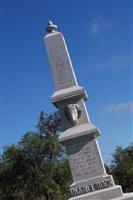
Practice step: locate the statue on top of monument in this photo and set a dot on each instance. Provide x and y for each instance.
(51, 27)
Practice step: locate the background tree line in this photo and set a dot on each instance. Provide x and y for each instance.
(36, 167)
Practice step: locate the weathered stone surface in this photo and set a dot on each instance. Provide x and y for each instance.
(59, 58)
(85, 159)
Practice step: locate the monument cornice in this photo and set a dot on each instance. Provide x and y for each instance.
(86, 129)
(71, 92)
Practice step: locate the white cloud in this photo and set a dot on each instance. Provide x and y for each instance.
(115, 61)
(128, 106)
(98, 25)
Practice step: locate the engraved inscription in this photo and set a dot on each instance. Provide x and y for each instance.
(85, 161)
(75, 191)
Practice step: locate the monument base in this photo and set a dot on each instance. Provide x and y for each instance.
(112, 193)
(128, 196)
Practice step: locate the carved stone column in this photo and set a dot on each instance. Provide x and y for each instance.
(79, 136)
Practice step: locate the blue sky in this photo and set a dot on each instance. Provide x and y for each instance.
(99, 40)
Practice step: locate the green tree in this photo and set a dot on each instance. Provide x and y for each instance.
(122, 167)
(36, 167)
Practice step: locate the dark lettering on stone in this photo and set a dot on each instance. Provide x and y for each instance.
(91, 187)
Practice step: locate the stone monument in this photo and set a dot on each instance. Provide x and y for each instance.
(79, 136)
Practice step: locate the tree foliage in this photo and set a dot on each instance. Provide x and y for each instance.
(122, 167)
(35, 168)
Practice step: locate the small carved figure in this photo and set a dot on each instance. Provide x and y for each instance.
(73, 112)
(62, 70)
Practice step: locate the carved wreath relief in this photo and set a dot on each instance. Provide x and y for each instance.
(72, 112)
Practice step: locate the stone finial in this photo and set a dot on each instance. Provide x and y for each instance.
(51, 27)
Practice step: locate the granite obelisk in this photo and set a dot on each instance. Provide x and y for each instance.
(79, 136)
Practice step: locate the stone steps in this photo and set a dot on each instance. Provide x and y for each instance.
(128, 196)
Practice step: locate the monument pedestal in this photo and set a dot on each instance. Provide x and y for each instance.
(90, 181)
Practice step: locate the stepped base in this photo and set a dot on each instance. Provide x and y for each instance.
(112, 193)
(128, 196)
(105, 194)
